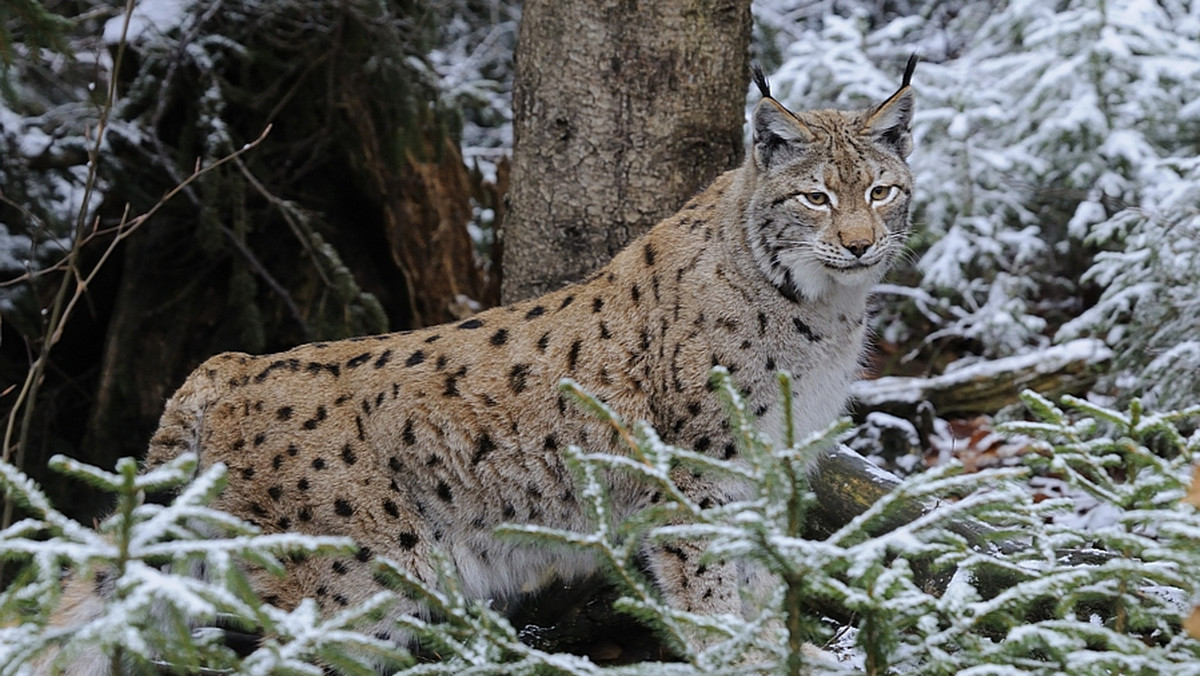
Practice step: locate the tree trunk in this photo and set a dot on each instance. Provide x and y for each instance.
(622, 110)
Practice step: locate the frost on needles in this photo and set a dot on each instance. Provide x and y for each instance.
(142, 557)
(901, 588)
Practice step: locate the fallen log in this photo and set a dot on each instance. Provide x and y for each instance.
(847, 484)
(987, 387)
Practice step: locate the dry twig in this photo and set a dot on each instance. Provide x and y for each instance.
(75, 280)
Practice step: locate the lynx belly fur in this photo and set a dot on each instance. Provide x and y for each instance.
(429, 439)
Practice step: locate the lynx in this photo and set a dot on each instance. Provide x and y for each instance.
(430, 439)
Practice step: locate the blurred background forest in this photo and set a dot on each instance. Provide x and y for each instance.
(1057, 166)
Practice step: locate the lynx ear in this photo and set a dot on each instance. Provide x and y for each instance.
(775, 127)
(890, 123)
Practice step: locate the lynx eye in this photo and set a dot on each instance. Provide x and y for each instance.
(881, 194)
(816, 199)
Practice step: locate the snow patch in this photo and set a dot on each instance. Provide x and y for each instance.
(149, 16)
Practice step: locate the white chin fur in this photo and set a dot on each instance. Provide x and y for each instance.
(856, 276)
(814, 280)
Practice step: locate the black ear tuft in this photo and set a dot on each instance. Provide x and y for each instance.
(908, 69)
(760, 80)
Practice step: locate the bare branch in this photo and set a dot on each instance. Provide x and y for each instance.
(75, 282)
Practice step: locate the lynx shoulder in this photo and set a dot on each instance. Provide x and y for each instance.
(429, 439)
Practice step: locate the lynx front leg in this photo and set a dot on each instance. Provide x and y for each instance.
(689, 584)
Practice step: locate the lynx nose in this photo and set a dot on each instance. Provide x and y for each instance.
(858, 247)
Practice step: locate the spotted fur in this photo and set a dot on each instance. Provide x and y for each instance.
(424, 440)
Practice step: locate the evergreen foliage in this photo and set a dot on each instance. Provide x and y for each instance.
(142, 557)
(951, 573)
(1147, 274)
(49, 100)
(1117, 590)
(36, 28)
(473, 60)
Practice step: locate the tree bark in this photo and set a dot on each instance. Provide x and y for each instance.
(622, 110)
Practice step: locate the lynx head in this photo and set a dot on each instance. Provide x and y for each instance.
(831, 192)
